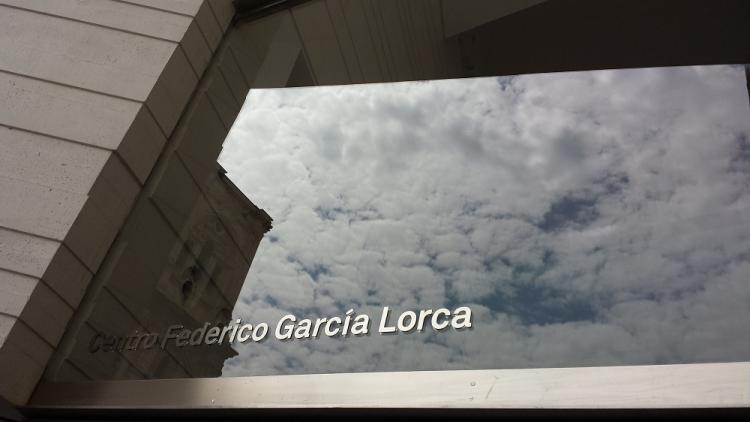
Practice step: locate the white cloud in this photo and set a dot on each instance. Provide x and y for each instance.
(592, 218)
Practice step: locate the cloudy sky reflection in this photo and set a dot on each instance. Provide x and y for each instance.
(588, 218)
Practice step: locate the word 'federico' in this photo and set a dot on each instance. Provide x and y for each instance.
(288, 328)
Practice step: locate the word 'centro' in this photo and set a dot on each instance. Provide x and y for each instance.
(289, 327)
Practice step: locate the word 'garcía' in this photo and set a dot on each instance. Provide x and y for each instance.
(289, 327)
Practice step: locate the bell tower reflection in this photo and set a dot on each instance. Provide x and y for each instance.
(181, 259)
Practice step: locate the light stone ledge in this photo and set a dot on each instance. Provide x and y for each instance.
(79, 144)
(107, 61)
(112, 14)
(24, 253)
(37, 209)
(232, 74)
(223, 11)
(46, 313)
(208, 25)
(197, 51)
(64, 112)
(109, 203)
(183, 7)
(172, 91)
(28, 354)
(47, 161)
(142, 144)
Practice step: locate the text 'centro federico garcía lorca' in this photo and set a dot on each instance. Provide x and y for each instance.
(287, 328)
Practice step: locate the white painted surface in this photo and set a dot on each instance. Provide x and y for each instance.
(617, 387)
